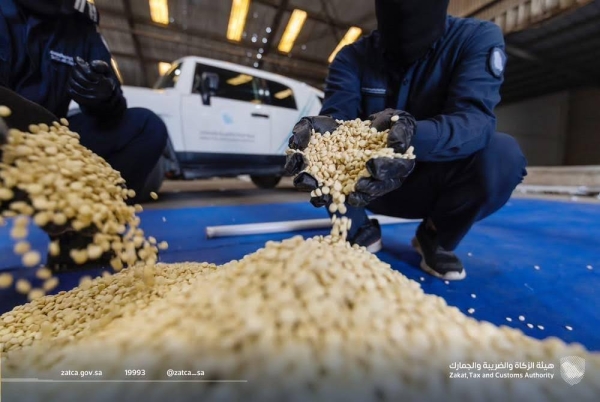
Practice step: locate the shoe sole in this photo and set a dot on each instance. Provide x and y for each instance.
(375, 247)
(450, 276)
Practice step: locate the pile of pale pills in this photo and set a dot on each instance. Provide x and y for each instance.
(66, 187)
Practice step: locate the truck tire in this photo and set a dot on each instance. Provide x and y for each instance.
(154, 181)
(265, 182)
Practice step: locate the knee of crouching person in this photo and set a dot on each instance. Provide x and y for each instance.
(513, 156)
(500, 168)
(155, 130)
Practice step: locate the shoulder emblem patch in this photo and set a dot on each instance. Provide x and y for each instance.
(497, 62)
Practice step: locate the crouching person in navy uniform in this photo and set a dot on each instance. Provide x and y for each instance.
(441, 76)
(51, 53)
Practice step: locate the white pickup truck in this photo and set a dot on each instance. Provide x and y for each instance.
(224, 120)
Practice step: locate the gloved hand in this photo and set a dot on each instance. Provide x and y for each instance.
(401, 128)
(23, 111)
(295, 162)
(387, 174)
(95, 88)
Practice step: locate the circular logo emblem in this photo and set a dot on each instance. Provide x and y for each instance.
(497, 62)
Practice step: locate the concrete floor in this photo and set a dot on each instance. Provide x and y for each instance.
(241, 191)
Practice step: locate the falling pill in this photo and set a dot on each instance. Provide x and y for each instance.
(154, 196)
(422, 279)
(537, 267)
(447, 282)
(470, 254)
(569, 328)
(473, 295)
(589, 267)
(521, 318)
(471, 310)
(541, 327)
(4, 111)
(530, 325)
(508, 319)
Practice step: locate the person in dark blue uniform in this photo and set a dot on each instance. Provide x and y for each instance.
(51, 53)
(441, 76)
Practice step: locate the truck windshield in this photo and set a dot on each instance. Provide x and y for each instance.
(169, 79)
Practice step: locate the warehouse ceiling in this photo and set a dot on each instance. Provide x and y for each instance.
(562, 53)
(558, 54)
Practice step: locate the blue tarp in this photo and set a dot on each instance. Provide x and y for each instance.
(500, 254)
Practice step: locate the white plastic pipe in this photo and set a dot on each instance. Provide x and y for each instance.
(286, 226)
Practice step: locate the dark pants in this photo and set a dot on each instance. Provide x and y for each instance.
(132, 145)
(454, 194)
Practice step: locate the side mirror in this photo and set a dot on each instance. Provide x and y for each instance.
(209, 85)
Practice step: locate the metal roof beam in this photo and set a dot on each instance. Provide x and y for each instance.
(309, 70)
(275, 24)
(313, 16)
(529, 56)
(198, 33)
(136, 41)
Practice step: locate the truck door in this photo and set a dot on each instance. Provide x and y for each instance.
(284, 112)
(235, 120)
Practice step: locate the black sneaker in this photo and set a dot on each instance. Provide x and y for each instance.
(368, 236)
(434, 259)
(74, 241)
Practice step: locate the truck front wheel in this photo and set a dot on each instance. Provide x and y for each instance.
(265, 182)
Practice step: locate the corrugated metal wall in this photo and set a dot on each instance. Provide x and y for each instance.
(513, 15)
(461, 8)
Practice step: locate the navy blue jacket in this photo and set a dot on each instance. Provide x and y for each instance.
(36, 54)
(452, 91)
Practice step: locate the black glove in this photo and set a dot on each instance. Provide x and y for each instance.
(387, 174)
(23, 111)
(23, 114)
(96, 89)
(401, 131)
(300, 138)
(295, 162)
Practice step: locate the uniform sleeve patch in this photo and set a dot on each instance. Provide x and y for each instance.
(497, 62)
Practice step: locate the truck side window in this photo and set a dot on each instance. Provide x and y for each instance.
(232, 84)
(281, 95)
(170, 78)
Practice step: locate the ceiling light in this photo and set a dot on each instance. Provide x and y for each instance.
(237, 19)
(256, 64)
(351, 36)
(259, 56)
(163, 67)
(253, 39)
(264, 40)
(292, 30)
(159, 11)
(283, 94)
(268, 29)
(115, 67)
(261, 50)
(239, 80)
